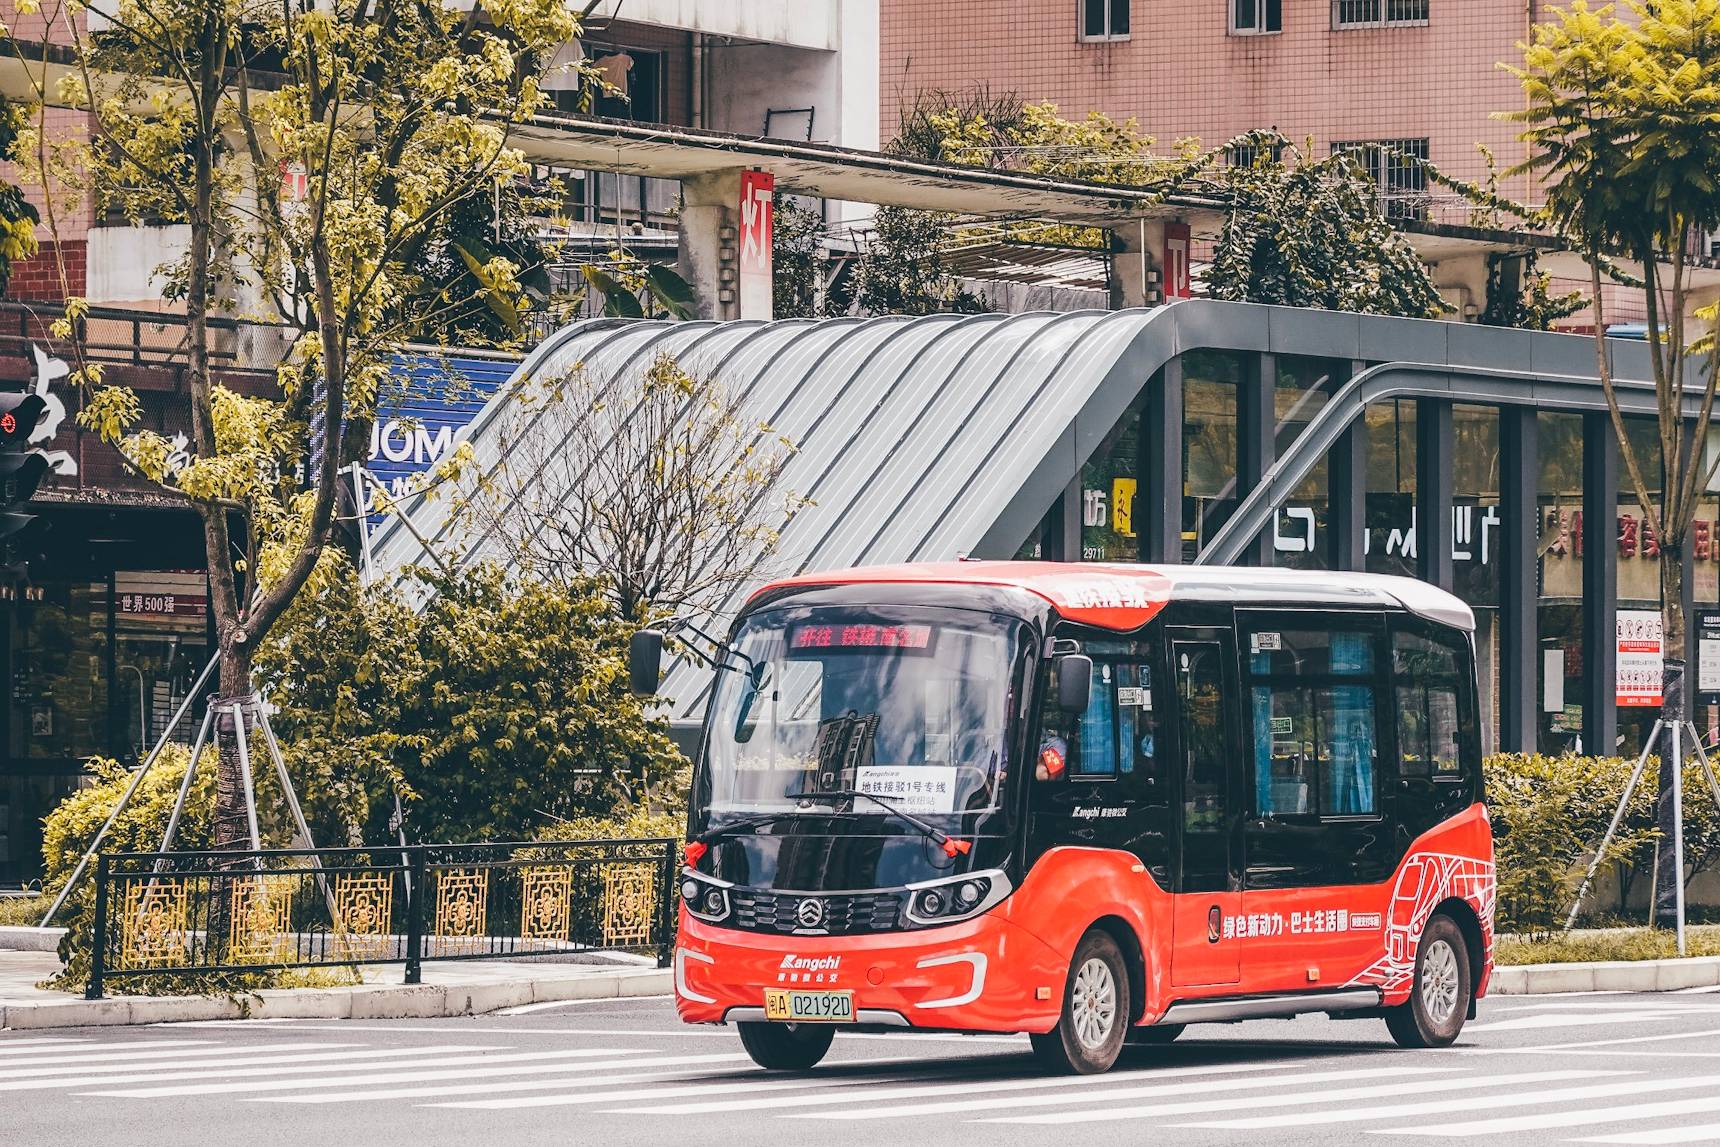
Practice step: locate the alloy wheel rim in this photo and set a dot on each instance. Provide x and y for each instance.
(1093, 1003)
(1439, 982)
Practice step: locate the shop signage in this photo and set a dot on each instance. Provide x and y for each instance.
(757, 189)
(1708, 652)
(1639, 652)
(419, 425)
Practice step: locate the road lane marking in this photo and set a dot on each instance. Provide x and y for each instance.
(221, 1069)
(1571, 1020)
(1443, 1106)
(549, 1005)
(146, 1051)
(30, 1045)
(1617, 1042)
(1335, 1095)
(165, 1061)
(1700, 990)
(1706, 1133)
(666, 1070)
(1065, 1084)
(702, 1031)
(11, 1054)
(677, 1089)
(485, 1067)
(1201, 1086)
(1633, 1112)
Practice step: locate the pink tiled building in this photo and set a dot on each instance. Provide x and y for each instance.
(1422, 74)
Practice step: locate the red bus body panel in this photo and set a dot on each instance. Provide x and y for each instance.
(1004, 971)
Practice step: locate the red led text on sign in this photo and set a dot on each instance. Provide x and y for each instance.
(860, 637)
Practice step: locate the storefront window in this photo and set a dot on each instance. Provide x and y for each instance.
(1559, 542)
(59, 672)
(1390, 541)
(1475, 539)
(1303, 388)
(1641, 649)
(160, 645)
(1704, 670)
(1210, 381)
(1108, 484)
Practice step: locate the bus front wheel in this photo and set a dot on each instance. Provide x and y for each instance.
(1439, 998)
(786, 1047)
(1096, 1010)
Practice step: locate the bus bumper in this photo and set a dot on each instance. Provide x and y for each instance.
(985, 974)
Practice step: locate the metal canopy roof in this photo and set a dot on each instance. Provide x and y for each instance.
(930, 439)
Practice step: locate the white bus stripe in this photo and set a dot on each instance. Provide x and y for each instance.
(1064, 1084)
(1467, 1103)
(667, 1070)
(1631, 1112)
(1296, 1099)
(234, 1067)
(673, 1089)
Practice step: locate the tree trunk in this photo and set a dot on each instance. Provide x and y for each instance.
(1668, 872)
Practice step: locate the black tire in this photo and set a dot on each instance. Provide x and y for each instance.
(1439, 998)
(786, 1047)
(1096, 1011)
(1156, 1034)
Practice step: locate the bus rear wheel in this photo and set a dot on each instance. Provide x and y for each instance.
(1096, 1010)
(1439, 998)
(786, 1047)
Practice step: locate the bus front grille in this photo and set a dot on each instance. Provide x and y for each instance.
(758, 911)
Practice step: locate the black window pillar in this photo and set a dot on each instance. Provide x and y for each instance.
(1433, 491)
(1159, 504)
(1347, 493)
(1257, 415)
(1519, 567)
(1066, 545)
(1600, 585)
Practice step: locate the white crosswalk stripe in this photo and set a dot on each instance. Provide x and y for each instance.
(22, 1067)
(1532, 1098)
(235, 1063)
(1206, 1087)
(1631, 1112)
(1067, 1085)
(1704, 1133)
(666, 1070)
(674, 1089)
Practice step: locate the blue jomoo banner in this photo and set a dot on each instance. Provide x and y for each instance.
(429, 403)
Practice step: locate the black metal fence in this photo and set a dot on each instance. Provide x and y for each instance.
(193, 913)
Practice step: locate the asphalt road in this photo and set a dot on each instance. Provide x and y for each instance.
(1592, 1068)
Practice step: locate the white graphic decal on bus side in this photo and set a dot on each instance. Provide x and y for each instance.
(1427, 879)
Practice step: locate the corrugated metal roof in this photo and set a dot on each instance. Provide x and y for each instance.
(912, 434)
(930, 439)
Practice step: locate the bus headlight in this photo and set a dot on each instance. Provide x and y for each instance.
(955, 898)
(705, 897)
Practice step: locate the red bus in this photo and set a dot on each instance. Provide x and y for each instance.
(1090, 803)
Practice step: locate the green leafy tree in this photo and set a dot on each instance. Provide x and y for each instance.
(904, 269)
(316, 155)
(794, 257)
(1306, 232)
(1619, 118)
(493, 705)
(18, 217)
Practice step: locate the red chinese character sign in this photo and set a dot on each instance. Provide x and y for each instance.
(757, 187)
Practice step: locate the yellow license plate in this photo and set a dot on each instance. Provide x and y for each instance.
(809, 1007)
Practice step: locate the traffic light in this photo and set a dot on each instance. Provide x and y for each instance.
(20, 470)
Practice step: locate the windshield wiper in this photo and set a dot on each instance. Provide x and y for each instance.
(951, 845)
(696, 845)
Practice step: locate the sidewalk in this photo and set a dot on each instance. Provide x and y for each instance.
(455, 988)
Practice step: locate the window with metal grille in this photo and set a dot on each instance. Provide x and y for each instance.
(1104, 19)
(1378, 13)
(1256, 17)
(1397, 167)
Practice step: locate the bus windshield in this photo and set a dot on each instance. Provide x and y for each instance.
(907, 705)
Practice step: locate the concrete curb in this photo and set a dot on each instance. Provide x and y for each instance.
(1606, 976)
(360, 1002)
(19, 938)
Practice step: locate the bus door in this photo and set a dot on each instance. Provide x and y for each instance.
(1208, 888)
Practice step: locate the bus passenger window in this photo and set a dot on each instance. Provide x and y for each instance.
(1115, 736)
(1428, 685)
(1200, 682)
(1315, 742)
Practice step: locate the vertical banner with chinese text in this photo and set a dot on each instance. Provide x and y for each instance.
(757, 187)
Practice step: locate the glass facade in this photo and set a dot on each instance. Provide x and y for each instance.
(1390, 538)
(1301, 390)
(1559, 547)
(1210, 383)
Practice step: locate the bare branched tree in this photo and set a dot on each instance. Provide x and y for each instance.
(659, 484)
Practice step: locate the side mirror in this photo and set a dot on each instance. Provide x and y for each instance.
(644, 662)
(1074, 682)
